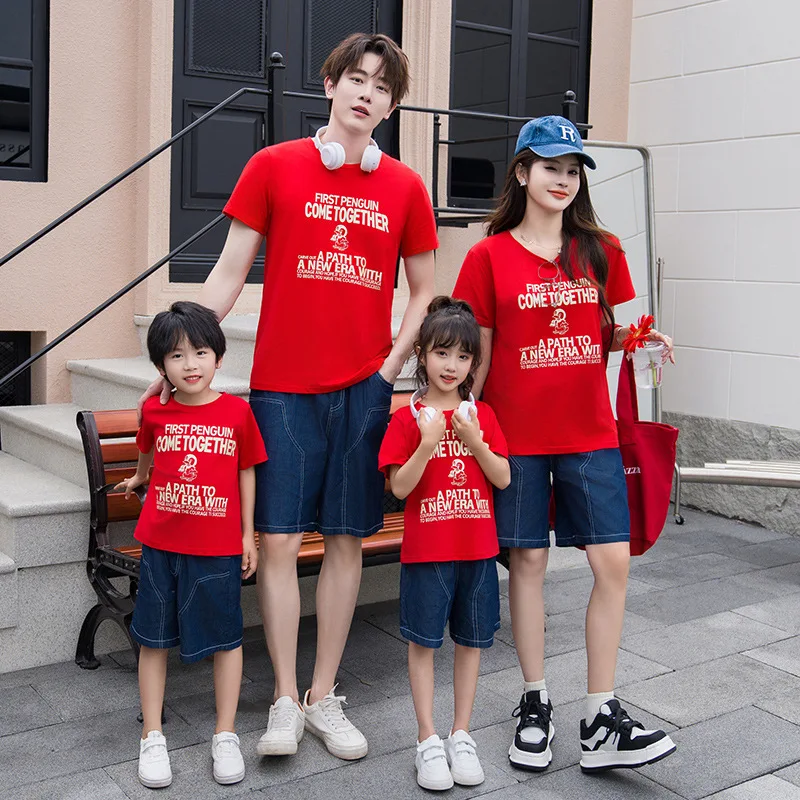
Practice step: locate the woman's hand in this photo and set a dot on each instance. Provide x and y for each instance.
(159, 386)
(657, 336)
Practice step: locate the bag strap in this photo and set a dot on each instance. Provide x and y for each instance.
(627, 401)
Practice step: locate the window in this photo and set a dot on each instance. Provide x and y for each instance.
(24, 45)
(516, 58)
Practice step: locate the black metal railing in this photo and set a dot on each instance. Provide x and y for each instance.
(275, 112)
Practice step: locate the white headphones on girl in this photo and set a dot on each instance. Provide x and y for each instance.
(333, 155)
(463, 409)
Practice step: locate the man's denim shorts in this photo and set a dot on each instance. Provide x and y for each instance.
(464, 593)
(322, 474)
(590, 493)
(191, 601)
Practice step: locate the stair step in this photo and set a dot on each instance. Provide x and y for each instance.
(47, 437)
(106, 383)
(9, 601)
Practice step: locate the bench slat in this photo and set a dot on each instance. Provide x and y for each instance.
(116, 424)
(119, 452)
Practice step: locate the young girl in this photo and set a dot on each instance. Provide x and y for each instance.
(443, 453)
(543, 285)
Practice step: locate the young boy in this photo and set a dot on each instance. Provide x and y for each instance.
(196, 530)
(336, 214)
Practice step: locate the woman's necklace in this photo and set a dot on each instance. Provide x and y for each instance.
(534, 243)
(551, 261)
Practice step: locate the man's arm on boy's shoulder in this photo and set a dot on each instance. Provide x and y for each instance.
(224, 284)
(419, 273)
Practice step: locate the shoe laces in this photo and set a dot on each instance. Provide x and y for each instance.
(621, 721)
(532, 712)
(331, 708)
(281, 717)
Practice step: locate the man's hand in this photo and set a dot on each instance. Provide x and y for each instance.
(249, 555)
(159, 386)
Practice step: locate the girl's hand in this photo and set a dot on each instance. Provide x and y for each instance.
(432, 430)
(657, 336)
(468, 432)
(130, 484)
(249, 555)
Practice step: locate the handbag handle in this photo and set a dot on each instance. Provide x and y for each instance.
(627, 401)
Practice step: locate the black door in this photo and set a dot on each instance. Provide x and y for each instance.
(221, 47)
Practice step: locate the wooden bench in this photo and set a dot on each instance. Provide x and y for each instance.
(111, 453)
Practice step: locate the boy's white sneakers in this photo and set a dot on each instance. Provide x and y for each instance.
(284, 728)
(465, 767)
(154, 768)
(326, 719)
(431, 761)
(227, 758)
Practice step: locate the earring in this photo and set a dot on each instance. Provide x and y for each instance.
(523, 182)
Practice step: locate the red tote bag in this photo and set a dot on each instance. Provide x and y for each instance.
(648, 455)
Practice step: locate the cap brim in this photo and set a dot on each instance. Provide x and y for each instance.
(555, 150)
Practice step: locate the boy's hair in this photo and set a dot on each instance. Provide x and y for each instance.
(449, 323)
(184, 319)
(348, 54)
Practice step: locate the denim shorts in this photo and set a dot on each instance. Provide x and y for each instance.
(464, 593)
(191, 601)
(322, 474)
(591, 500)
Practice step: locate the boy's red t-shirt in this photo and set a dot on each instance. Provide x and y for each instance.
(192, 503)
(450, 514)
(547, 379)
(333, 240)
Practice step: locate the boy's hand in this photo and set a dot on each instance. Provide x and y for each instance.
(249, 555)
(130, 484)
(468, 432)
(159, 386)
(432, 430)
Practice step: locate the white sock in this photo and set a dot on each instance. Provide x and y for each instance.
(537, 686)
(593, 703)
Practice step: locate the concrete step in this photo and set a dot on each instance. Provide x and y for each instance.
(9, 600)
(105, 383)
(47, 437)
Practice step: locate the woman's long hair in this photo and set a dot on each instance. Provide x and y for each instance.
(582, 250)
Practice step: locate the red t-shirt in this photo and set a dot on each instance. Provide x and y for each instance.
(450, 514)
(333, 238)
(192, 503)
(547, 380)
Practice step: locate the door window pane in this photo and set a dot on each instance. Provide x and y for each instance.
(560, 18)
(552, 69)
(15, 30)
(15, 117)
(495, 12)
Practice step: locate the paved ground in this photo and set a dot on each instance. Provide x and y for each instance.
(711, 652)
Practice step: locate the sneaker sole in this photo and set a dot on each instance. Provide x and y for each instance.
(533, 762)
(230, 779)
(435, 786)
(160, 784)
(353, 753)
(602, 761)
(284, 747)
(468, 780)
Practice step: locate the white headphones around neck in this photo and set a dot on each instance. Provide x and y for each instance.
(463, 409)
(333, 155)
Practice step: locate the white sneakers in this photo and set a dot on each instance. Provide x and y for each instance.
(154, 768)
(155, 771)
(326, 719)
(284, 729)
(440, 764)
(227, 758)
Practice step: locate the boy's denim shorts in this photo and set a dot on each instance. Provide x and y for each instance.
(591, 500)
(464, 593)
(322, 474)
(191, 601)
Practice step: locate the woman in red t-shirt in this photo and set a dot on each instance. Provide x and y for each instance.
(543, 285)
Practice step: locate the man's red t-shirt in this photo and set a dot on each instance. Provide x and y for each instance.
(450, 514)
(547, 380)
(333, 238)
(192, 503)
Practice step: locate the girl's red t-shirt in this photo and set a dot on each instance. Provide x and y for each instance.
(450, 514)
(547, 379)
(192, 503)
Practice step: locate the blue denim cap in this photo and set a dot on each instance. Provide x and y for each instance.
(550, 137)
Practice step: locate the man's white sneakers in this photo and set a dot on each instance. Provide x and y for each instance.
(284, 728)
(326, 720)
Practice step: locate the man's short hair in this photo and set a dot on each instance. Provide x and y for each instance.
(196, 323)
(348, 54)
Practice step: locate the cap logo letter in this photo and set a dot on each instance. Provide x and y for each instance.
(567, 132)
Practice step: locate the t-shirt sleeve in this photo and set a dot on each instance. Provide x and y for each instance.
(249, 202)
(394, 448)
(619, 287)
(492, 434)
(475, 285)
(419, 232)
(251, 443)
(145, 438)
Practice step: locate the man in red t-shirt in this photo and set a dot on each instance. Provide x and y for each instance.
(336, 214)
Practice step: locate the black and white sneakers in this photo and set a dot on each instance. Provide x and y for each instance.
(531, 746)
(614, 740)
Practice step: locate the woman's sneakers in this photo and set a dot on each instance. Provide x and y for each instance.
(284, 728)
(154, 768)
(614, 741)
(465, 768)
(227, 758)
(326, 719)
(531, 746)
